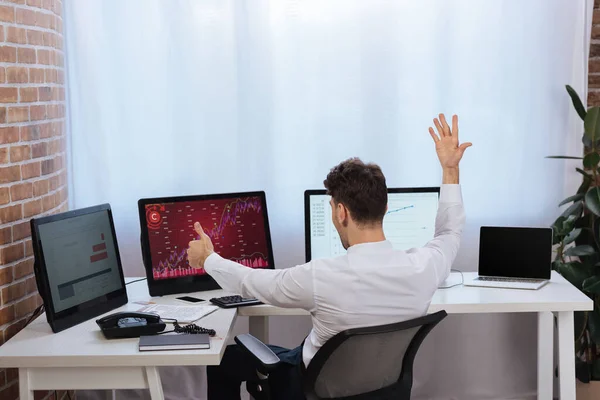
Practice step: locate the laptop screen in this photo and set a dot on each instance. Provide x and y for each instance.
(515, 252)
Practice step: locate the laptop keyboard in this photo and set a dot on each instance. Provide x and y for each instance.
(517, 280)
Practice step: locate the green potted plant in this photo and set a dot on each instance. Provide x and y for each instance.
(577, 241)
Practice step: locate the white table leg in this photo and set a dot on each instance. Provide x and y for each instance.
(545, 357)
(111, 395)
(25, 389)
(154, 383)
(259, 328)
(566, 355)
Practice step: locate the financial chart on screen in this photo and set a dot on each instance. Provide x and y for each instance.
(236, 227)
(408, 223)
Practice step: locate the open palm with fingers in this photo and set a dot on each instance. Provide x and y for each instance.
(448, 149)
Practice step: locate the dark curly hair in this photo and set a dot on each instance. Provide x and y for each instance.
(361, 188)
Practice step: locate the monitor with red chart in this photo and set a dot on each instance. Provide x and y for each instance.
(237, 224)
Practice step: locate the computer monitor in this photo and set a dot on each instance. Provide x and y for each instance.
(77, 265)
(237, 224)
(408, 223)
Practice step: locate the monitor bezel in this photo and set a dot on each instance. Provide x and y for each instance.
(72, 316)
(196, 283)
(314, 192)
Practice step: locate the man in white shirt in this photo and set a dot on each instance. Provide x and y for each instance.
(372, 284)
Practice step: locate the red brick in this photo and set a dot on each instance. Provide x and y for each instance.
(9, 94)
(48, 202)
(25, 306)
(35, 3)
(16, 35)
(41, 187)
(10, 213)
(53, 182)
(43, 56)
(13, 329)
(20, 153)
(48, 166)
(2, 75)
(51, 75)
(49, 39)
(12, 252)
(23, 268)
(38, 113)
(36, 75)
(7, 14)
(26, 56)
(31, 170)
(39, 150)
(9, 134)
(21, 191)
(60, 78)
(8, 54)
(15, 1)
(31, 132)
(45, 93)
(32, 208)
(28, 248)
(44, 20)
(4, 198)
(29, 94)
(5, 237)
(17, 75)
(3, 115)
(10, 174)
(35, 37)
(18, 114)
(7, 314)
(30, 285)
(25, 17)
(593, 98)
(3, 155)
(46, 130)
(59, 43)
(14, 291)
(6, 275)
(1, 35)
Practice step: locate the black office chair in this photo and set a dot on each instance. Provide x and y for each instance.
(363, 363)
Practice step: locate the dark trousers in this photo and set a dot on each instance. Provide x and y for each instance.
(238, 366)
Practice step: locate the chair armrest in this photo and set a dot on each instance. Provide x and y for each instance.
(260, 351)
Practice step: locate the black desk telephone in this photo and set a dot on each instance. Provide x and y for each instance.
(130, 324)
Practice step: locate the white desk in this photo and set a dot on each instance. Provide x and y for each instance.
(80, 358)
(558, 298)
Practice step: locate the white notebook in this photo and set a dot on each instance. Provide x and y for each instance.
(183, 314)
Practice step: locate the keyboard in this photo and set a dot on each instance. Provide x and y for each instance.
(506, 283)
(234, 301)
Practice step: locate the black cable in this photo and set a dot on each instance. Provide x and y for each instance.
(191, 329)
(462, 280)
(137, 280)
(35, 314)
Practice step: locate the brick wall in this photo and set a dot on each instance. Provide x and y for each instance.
(32, 154)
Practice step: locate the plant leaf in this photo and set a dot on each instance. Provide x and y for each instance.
(594, 325)
(582, 172)
(585, 185)
(582, 371)
(592, 285)
(580, 323)
(596, 370)
(584, 250)
(572, 236)
(573, 272)
(574, 209)
(570, 199)
(591, 160)
(592, 200)
(576, 102)
(591, 123)
(566, 157)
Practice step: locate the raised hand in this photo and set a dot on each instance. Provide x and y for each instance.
(448, 150)
(200, 249)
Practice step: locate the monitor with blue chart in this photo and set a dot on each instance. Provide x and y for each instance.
(408, 223)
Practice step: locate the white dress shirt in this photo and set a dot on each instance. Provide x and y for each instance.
(372, 284)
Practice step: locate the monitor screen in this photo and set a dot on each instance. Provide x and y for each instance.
(81, 261)
(408, 223)
(236, 223)
(77, 265)
(515, 252)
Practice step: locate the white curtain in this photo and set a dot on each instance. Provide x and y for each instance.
(211, 96)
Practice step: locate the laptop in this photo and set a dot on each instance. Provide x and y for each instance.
(514, 258)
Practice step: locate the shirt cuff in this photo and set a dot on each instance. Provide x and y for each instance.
(450, 193)
(210, 261)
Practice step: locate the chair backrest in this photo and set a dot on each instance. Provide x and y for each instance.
(369, 360)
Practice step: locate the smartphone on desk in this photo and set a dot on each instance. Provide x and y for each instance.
(189, 299)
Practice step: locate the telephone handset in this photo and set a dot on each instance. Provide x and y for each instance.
(127, 324)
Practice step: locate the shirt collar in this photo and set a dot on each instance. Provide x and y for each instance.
(370, 246)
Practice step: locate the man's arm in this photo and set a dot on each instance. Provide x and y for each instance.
(291, 287)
